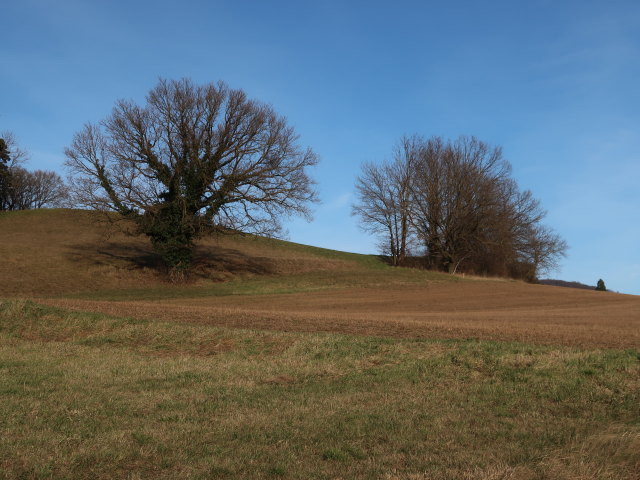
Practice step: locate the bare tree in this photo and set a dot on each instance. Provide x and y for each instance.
(460, 201)
(523, 246)
(49, 190)
(11, 156)
(29, 190)
(193, 155)
(454, 196)
(5, 158)
(21, 189)
(11, 153)
(383, 199)
(543, 249)
(17, 193)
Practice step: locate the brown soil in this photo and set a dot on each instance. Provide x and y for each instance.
(475, 309)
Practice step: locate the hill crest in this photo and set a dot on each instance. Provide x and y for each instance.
(61, 251)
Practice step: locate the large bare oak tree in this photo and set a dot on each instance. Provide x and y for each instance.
(192, 156)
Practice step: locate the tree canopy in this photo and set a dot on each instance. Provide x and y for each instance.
(192, 156)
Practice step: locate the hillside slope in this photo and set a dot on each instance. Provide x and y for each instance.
(62, 252)
(91, 265)
(108, 368)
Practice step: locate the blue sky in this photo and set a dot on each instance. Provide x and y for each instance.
(554, 82)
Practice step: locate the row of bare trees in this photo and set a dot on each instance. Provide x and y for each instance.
(455, 203)
(21, 189)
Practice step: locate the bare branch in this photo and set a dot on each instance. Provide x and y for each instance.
(193, 155)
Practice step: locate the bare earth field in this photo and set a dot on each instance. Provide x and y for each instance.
(475, 309)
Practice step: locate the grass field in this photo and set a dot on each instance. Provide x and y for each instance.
(91, 396)
(287, 361)
(81, 254)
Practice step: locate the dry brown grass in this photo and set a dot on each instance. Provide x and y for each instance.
(171, 395)
(49, 252)
(93, 396)
(486, 310)
(62, 252)
(611, 454)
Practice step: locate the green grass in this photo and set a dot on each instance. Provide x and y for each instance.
(383, 276)
(367, 261)
(91, 396)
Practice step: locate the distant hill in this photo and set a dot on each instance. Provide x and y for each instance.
(563, 283)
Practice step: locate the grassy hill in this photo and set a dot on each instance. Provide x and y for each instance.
(565, 284)
(287, 361)
(62, 252)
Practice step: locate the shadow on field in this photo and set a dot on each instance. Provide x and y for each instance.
(219, 259)
(117, 254)
(206, 259)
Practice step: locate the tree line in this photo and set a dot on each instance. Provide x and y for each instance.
(21, 189)
(454, 205)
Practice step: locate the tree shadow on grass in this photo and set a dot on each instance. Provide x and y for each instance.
(208, 262)
(219, 259)
(115, 254)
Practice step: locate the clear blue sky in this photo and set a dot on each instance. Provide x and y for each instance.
(554, 82)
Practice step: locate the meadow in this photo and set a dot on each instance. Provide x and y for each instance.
(287, 361)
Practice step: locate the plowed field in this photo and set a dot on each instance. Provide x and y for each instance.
(475, 309)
